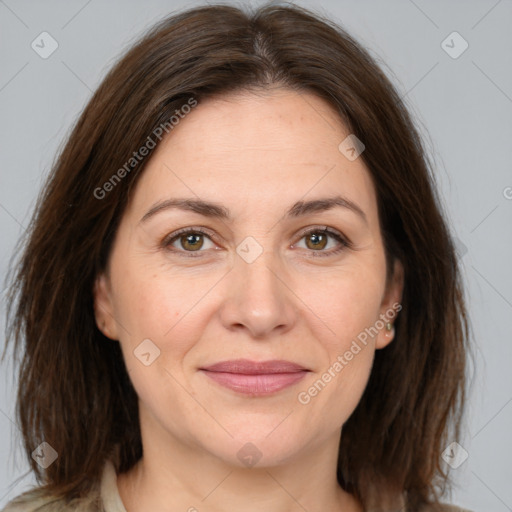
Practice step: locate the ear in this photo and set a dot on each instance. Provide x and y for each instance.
(103, 307)
(391, 305)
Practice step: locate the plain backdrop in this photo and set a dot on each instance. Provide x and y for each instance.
(462, 103)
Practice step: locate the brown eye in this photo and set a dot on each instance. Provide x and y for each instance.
(316, 240)
(192, 242)
(188, 241)
(324, 241)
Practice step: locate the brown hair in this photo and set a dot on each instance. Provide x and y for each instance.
(74, 391)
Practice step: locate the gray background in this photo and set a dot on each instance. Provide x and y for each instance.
(463, 106)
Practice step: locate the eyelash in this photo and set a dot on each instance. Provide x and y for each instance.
(344, 242)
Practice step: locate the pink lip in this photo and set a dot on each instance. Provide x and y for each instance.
(254, 377)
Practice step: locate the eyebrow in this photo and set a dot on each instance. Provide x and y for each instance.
(215, 210)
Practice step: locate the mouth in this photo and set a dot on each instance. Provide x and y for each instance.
(255, 378)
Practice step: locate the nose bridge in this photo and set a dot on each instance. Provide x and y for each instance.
(258, 297)
(261, 277)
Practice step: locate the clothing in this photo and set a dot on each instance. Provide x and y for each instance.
(109, 491)
(106, 498)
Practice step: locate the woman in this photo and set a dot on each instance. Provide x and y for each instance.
(241, 276)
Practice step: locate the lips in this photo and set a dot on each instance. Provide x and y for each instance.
(255, 377)
(248, 367)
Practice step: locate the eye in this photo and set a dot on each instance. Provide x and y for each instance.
(317, 239)
(187, 240)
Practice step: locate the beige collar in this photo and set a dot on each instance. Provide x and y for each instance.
(109, 490)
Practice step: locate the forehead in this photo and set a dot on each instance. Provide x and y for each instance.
(278, 145)
(272, 125)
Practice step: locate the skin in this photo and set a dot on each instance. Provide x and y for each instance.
(256, 154)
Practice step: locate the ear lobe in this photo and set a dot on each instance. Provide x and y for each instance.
(103, 309)
(391, 305)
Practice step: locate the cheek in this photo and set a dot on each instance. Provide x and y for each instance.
(169, 309)
(333, 393)
(144, 309)
(155, 322)
(347, 302)
(330, 398)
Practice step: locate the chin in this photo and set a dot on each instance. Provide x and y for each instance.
(257, 447)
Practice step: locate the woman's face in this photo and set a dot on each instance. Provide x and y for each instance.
(254, 285)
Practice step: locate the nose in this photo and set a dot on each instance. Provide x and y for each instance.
(259, 299)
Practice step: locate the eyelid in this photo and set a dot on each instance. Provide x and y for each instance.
(322, 228)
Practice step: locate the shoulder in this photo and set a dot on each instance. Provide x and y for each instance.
(104, 496)
(36, 500)
(30, 501)
(444, 508)
(33, 501)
